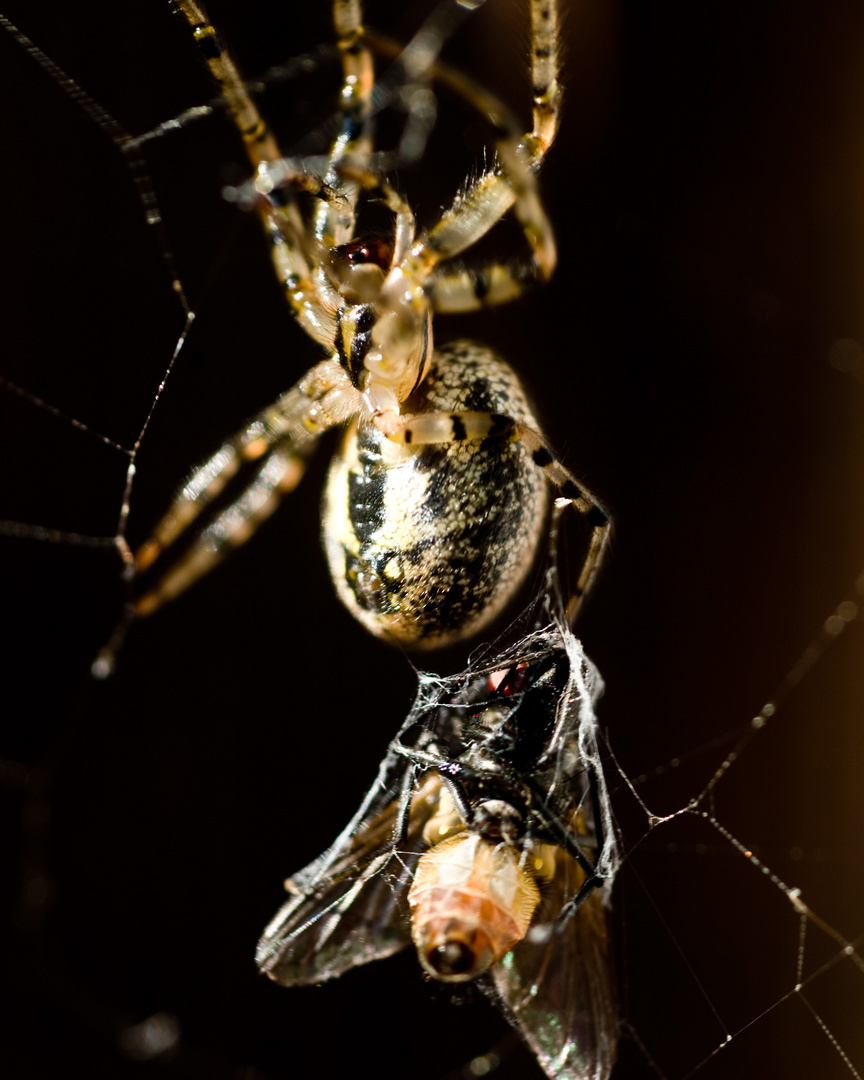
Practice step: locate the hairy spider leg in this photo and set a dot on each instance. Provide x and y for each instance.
(280, 438)
(512, 183)
(461, 289)
(294, 251)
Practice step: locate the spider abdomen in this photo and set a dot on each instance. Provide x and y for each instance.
(427, 543)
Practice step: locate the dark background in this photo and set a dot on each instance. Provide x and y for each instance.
(708, 196)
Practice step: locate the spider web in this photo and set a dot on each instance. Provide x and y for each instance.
(706, 193)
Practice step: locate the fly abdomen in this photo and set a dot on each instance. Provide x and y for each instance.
(471, 902)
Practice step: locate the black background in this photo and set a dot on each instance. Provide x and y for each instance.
(708, 196)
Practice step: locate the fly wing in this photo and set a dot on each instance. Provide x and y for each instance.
(555, 985)
(349, 905)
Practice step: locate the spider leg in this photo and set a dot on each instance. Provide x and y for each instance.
(458, 289)
(278, 475)
(292, 250)
(406, 86)
(420, 60)
(257, 137)
(545, 65)
(470, 288)
(279, 439)
(442, 427)
(334, 225)
(511, 184)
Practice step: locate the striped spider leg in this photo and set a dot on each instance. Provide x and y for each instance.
(436, 501)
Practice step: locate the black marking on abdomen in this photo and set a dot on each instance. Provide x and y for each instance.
(366, 488)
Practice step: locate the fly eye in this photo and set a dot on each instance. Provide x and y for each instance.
(509, 680)
(451, 958)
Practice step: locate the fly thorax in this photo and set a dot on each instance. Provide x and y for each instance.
(496, 819)
(471, 902)
(494, 736)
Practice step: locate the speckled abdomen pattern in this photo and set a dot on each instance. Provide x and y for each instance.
(427, 543)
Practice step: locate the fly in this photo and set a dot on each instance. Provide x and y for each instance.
(486, 840)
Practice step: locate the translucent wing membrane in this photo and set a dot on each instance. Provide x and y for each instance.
(495, 767)
(350, 905)
(555, 985)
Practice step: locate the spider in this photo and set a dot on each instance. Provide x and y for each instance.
(435, 502)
